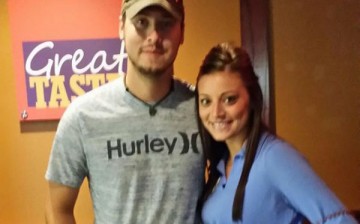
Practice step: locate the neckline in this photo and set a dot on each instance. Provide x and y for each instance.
(152, 106)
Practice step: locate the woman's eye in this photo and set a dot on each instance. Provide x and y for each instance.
(204, 102)
(230, 99)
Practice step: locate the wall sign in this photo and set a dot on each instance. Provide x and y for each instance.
(61, 50)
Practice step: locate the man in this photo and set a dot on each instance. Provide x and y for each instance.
(136, 138)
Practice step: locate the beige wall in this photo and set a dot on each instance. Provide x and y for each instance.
(24, 148)
(317, 87)
(207, 22)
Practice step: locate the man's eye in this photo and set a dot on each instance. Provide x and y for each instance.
(166, 24)
(141, 23)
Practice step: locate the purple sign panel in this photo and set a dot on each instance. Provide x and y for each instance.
(59, 71)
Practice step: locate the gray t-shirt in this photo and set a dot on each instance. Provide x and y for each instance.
(140, 168)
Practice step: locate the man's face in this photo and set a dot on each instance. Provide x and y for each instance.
(152, 39)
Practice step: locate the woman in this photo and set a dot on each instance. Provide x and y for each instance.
(253, 176)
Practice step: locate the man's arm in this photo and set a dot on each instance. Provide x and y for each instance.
(60, 204)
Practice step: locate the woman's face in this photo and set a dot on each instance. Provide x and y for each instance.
(224, 105)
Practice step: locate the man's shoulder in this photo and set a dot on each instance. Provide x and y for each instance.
(104, 91)
(97, 98)
(185, 84)
(184, 87)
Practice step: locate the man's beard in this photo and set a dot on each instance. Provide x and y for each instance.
(150, 72)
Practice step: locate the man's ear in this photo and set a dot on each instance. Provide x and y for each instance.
(121, 27)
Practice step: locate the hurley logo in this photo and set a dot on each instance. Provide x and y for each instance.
(119, 149)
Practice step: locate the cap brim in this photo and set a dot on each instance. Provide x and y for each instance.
(140, 5)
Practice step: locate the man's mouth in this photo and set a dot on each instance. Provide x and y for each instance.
(152, 50)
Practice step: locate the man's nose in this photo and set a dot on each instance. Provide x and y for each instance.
(153, 35)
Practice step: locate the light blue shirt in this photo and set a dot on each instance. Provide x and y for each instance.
(282, 188)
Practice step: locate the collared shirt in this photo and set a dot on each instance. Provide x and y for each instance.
(282, 188)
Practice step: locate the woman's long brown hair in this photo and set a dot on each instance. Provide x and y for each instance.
(226, 57)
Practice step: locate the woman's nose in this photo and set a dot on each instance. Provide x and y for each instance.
(218, 110)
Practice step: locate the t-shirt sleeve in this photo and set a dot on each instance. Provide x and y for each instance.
(292, 175)
(67, 163)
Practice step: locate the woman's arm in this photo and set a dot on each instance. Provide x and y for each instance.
(303, 188)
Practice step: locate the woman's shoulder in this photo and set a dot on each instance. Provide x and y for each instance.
(276, 147)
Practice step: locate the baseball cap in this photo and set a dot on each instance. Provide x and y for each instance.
(133, 7)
